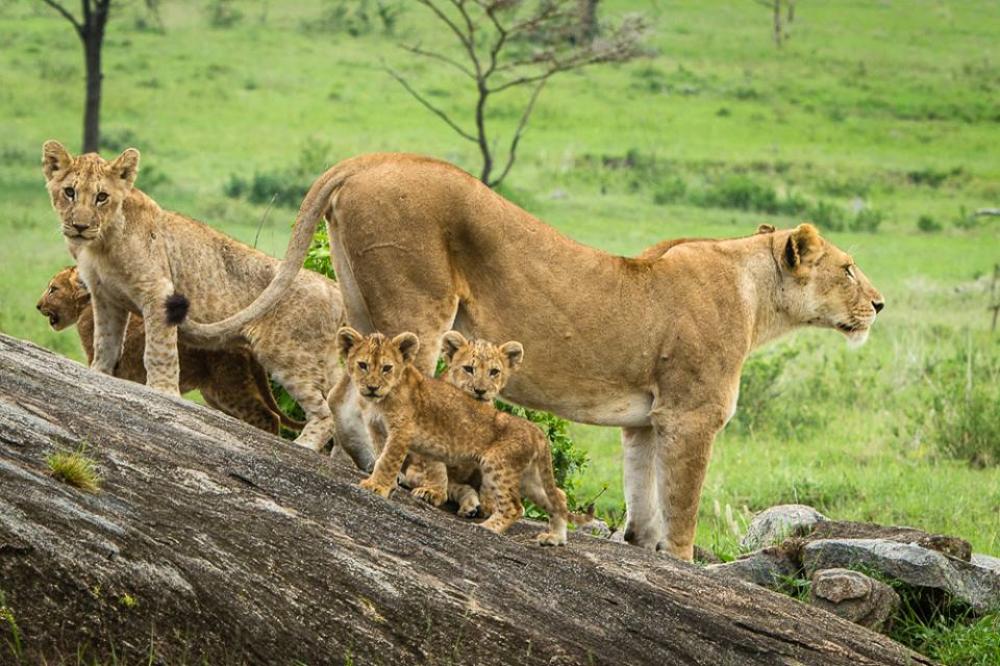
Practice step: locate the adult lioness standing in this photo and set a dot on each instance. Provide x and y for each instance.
(653, 344)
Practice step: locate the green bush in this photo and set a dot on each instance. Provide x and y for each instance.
(286, 186)
(928, 224)
(828, 216)
(867, 219)
(764, 403)
(670, 191)
(223, 14)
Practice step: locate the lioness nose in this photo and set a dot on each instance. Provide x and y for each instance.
(81, 227)
(878, 305)
(38, 306)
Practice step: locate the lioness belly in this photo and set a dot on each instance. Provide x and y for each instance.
(587, 404)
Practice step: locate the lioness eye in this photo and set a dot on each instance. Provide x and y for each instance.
(102, 197)
(52, 290)
(494, 372)
(467, 368)
(850, 273)
(69, 192)
(386, 368)
(362, 365)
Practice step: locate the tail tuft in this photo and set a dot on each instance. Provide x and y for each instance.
(177, 306)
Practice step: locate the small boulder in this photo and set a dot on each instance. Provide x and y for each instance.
(986, 562)
(770, 568)
(854, 597)
(975, 585)
(774, 525)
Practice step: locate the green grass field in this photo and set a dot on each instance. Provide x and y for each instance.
(880, 105)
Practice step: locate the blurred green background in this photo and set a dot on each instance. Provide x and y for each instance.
(879, 120)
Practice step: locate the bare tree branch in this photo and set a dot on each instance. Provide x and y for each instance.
(416, 50)
(65, 14)
(512, 152)
(430, 107)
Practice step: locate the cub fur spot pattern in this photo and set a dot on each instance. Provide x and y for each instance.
(443, 423)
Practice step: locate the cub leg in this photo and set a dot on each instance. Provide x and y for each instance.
(383, 477)
(109, 334)
(539, 485)
(160, 358)
(433, 487)
(501, 484)
(243, 403)
(465, 496)
(308, 393)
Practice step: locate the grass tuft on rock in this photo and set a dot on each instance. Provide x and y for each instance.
(75, 469)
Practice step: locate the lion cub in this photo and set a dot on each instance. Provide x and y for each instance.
(481, 369)
(441, 422)
(230, 381)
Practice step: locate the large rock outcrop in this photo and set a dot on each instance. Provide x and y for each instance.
(211, 541)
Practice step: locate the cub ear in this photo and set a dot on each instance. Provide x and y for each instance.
(347, 337)
(407, 344)
(55, 159)
(126, 166)
(803, 244)
(451, 343)
(514, 352)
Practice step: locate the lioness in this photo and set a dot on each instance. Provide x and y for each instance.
(135, 257)
(654, 344)
(442, 422)
(230, 381)
(481, 369)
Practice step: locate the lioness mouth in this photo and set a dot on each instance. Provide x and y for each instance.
(53, 320)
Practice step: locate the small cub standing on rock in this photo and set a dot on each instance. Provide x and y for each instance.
(481, 369)
(443, 423)
(230, 381)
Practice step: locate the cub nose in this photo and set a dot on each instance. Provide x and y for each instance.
(81, 227)
(480, 392)
(878, 305)
(371, 389)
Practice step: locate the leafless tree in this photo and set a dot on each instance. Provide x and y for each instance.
(507, 44)
(779, 24)
(90, 29)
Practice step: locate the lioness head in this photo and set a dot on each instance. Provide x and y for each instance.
(822, 286)
(87, 191)
(374, 362)
(480, 368)
(64, 299)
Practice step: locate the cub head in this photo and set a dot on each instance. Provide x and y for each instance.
(374, 362)
(480, 368)
(87, 191)
(64, 299)
(822, 286)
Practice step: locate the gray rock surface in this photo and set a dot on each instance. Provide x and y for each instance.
(770, 568)
(214, 542)
(774, 525)
(855, 597)
(986, 562)
(914, 565)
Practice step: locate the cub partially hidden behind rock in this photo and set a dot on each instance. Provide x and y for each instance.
(481, 369)
(230, 381)
(441, 422)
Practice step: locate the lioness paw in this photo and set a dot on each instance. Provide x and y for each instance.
(433, 496)
(375, 487)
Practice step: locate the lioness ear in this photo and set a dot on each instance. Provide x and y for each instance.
(55, 158)
(451, 343)
(802, 246)
(765, 229)
(514, 352)
(347, 337)
(407, 344)
(126, 166)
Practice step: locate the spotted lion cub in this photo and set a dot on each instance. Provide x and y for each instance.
(441, 422)
(481, 369)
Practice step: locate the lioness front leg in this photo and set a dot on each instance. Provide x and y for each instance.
(383, 477)
(109, 334)
(160, 357)
(644, 523)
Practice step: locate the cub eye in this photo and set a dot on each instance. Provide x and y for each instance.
(386, 368)
(362, 365)
(494, 372)
(102, 197)
(69, 192)
(467, 368)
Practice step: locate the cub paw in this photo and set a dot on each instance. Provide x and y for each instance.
(430, 495)
(468, 508)
(551, 539)
(369, 484)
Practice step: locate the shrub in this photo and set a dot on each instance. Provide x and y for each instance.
(222, 14)
(827, 216)
(867, 219)
(741, 193)
(74, 469)
(669, 191)
(928, 224)
(288, 185)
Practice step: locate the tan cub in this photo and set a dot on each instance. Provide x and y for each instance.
(441, 422)
(135, 257)
(230, 381)
(481, 369)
